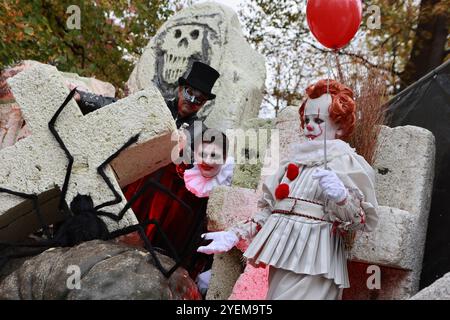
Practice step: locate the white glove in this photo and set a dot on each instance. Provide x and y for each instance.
(222, 241)
(331, 185)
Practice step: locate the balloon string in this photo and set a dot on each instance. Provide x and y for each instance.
(338, 66)
(328, 92)
(329, 73)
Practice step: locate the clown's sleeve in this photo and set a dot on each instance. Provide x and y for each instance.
(358, 212)
(247, 230)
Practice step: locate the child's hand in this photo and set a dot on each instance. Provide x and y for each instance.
(332, 186)
(222, 241)
(72, 85)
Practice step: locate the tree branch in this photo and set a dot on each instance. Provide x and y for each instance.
(363, 60)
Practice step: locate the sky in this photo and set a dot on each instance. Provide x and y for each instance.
(231, 3)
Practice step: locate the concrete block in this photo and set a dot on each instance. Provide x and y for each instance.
(250, 144)
(391, 243)
(395, 284)
(37, 164)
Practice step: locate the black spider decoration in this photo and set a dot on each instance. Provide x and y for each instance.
(83, 222)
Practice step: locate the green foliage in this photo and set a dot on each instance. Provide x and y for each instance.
(395, 37)
(112, 34)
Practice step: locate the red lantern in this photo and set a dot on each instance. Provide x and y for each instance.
(334, 23)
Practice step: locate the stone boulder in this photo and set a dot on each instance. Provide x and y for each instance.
(107, 271)
(439, 290)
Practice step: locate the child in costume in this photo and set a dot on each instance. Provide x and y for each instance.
(212, 167)
(310, 209)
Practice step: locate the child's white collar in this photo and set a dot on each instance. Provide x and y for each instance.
(201, 186)
(312, 152)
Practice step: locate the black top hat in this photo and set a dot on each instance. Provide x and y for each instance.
(202, 77)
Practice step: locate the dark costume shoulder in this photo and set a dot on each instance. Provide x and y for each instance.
(179, 224)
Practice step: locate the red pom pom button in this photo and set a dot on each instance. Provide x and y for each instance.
(282, 191)
(292, 171)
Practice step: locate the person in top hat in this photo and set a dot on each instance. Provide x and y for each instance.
(195, 90)
(192, 94)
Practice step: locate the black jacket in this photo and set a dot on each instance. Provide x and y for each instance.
(90, 102)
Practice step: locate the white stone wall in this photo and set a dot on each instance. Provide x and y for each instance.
(404, 179)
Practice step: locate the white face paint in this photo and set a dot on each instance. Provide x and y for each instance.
(209, 159)
(316, 115)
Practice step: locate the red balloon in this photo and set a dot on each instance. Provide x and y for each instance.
(334, 23)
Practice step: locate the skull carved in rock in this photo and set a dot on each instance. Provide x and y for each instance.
(181, 43)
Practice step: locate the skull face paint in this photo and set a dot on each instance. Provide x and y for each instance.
(186, 107)
(316, 116)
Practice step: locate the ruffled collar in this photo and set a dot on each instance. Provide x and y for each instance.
(312, 152)
(202, 186)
